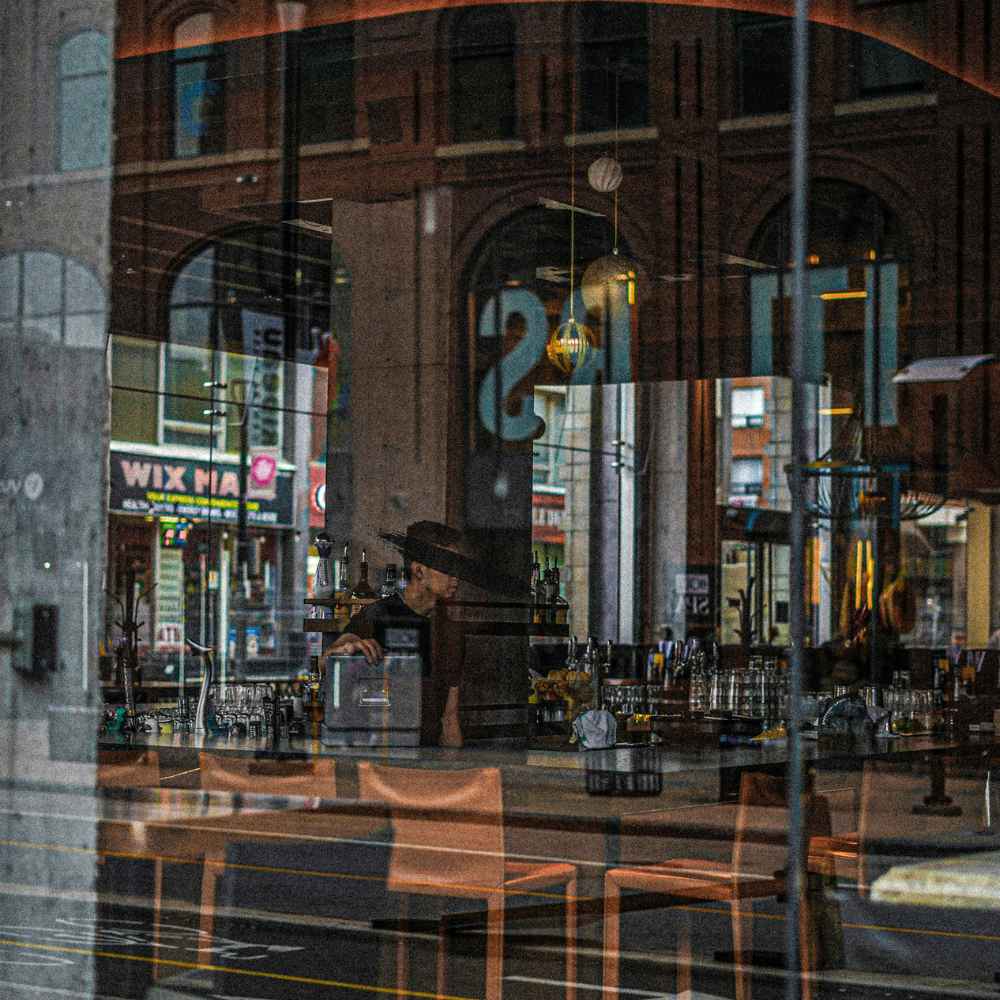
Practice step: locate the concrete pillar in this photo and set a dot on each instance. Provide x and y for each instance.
(53, 495)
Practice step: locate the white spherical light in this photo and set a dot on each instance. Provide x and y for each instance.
(605, 174)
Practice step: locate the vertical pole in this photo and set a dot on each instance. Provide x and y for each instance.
(800, 303)
(242, 542)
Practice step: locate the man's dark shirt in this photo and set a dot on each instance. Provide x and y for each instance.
(441, 666)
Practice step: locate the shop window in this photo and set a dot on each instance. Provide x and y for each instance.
(84, 111)
(747, 407)
(51, 298)
(550, 405)
(135, 376)
(763, 64)
(613, 67)
(483, 76)
(326, 84)
(746, 478)
(882, 68)
(197, 89)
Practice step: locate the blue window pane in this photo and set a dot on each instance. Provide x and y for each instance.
(42, 284)
(85, 331)
(9, 286)
(84, 123)
(83, 291)
(82, 54)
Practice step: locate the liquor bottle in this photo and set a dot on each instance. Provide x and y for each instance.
(561, 615)
(537, 597)
(550, 588)
(388, 587)
(342, 612)
(403, 578)
(362, 593)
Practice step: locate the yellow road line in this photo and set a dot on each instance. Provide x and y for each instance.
(256, 973)
(277, 870)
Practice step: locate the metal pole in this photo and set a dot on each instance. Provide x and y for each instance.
(800, 301)
(242, 545)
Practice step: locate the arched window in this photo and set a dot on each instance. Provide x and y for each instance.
(51, 298)
(84, 114)
(859, 302)
(613, 67)
(483, 76)
(227, 324)
(197, 89)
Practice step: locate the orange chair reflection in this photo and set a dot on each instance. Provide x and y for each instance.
(248, 775)
(128, 769)
(755, 872)
(461, 857)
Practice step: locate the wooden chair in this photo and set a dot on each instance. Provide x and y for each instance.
(249, 776)
(828, 854)
(756, 871)
(462, 857)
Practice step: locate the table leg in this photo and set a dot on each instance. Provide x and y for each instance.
(937, 803)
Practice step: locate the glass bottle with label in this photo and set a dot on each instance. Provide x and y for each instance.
(362, 594)
(388, 587)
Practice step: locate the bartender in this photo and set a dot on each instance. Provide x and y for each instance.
(431, 554)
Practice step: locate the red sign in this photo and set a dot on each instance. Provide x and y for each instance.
(317, 494)
(547, 511)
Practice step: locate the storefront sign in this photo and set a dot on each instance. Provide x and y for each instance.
(177, 487)
(693, 595)
(317, 494)
(547, 511)
(169, 634)
(263, 475)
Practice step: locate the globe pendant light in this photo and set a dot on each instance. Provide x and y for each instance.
(609, 282)
(605, 174)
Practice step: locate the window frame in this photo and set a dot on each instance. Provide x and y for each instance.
(745, 21)
(462, 53)
(213, 140)
(586, 43)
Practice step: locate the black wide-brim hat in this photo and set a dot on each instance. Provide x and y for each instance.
(456, 564)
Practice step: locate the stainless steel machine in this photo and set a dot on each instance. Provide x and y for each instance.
(377, 705)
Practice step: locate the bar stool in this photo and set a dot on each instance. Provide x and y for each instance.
(756, 871)
(250, 776)
(461, 856)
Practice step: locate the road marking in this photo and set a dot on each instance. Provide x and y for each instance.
(174, 963)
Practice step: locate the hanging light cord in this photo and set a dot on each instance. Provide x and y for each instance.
(572, 195)
(614, 214)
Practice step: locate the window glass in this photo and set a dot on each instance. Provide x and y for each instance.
(84, 330)
(746, 476)
(83, 293)
(614, 67)
(883, 68)
(326, 82)
(748, 407)
(763, 57)
(483, 81)
(84, 113)
(198, 94)
(135, 379)
(10, 284)
(42, 284)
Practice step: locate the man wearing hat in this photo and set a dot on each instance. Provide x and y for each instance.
(434, 564)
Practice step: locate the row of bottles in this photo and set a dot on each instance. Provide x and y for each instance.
(348, 600)
(549, 606)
